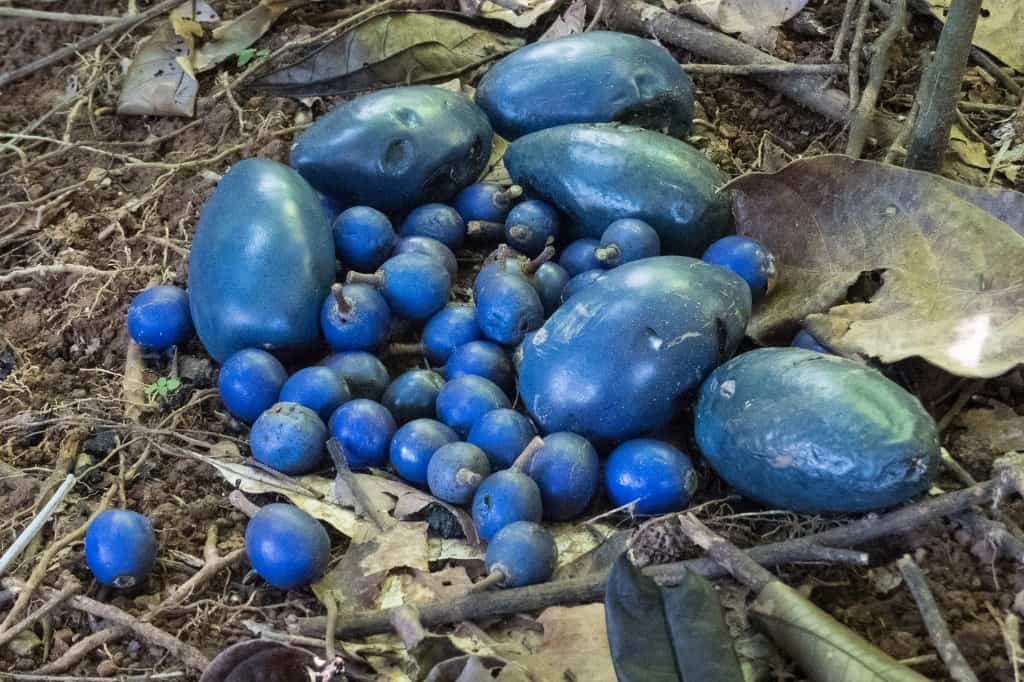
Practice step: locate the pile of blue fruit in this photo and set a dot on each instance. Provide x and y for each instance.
(612, 306)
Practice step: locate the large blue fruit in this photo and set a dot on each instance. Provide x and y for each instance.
(286, 546)
(120, 547)
(587, 78)
(615, 359)
(800, 430)
(596, 174)
(262, 261)
(396, 149)
(250, 382)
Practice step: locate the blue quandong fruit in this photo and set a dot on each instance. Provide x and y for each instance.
(120, 547)
(800, 430)
(567, 470)
(159, 318)
(596, 174)
(249, 383)
(365, 375)
(614, 360)
(413, 395)
(524, 552)
(654, 476)
(290, 438)
(286, 546)
(591, 77)
(396, 149)
(262, 261)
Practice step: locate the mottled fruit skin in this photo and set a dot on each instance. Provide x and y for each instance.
(413, 446)
(504, 498)
(396, 149)
(627, 240)
(592, 77)
(596, 174)
(415, 285)
(502, 434)
(483, 359)
(656, 476)
(437, 221)
(120, 548)
(286, 546)
(250, 382)
(261, 262)
(580, 282)
(567, 471)
(746, 257)
(615, 359)
(580, 256)
(365, 375)
(550, 281)
(364, 326)
(483, 201)
(318, 388)
(530, 226)
(803, 339)
(158, 317)
(508, 307)
(452, 327)
(413, 395)
(443, 475)
(364, 429)
(363, 238)
(290, 438)
(524, 552)
(464, 400)
(799, 430)
(429, 247)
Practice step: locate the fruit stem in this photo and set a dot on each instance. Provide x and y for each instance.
(534, 265)
(243, 504)
(527, 454)
(505, 197)
(519, 231)
(468, 477)
(374, 279)
(344, 307)
(494, 579)
(608, 254)
(405, 348)
(362, 500)
(484, 229)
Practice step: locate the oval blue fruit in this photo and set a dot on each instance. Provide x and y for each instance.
(651, 474)
(580, 256)
(483, 359)
(437, 221)
(747, 258)
(355, 317)
(290, 438)
(799, 430)
(550, 281)
(464, 400)
(596, 174)
(615, 359)
(364, 428)
(502, 434)
(502, 499)
(261, 263)
(250, 382)
(415, 285)
(627, 240)
(486, 201)
(318, 388)
(286, 546)
(414, 444)
(365, 375)
(396, 149)
(592, 77)
(363, 238)
(454, 326)
(524, 552)
(567, 470)
(120, 547)
(530, 226)
(580, 282)
(508, 307)
(430, 247)
(455, 472)
(158, 317)
(413, 395)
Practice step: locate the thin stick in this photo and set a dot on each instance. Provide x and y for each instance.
(379, 518)
(930, 136)
(938, 631)
(83, 648)
(26, 622)
(856, 48)
(18, 12)
(145, 677)
(996, 71)
(32, 530)
(112, 31)
(764, 69)
(844, 30)
(898, 145)
(726, 554)
(865, 110)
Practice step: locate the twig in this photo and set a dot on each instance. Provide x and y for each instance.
(243, 504)
(101, 36)
(856, 50)
(27, 535)
(898, 145)
(65, 17)
(962, 398)
(379, 518)
(78, 678)
(865, 110)
(83, 648)
(996, 71)
(764, 69)
(727, 555)
(55, 269)
(184, 590)
(938, 631)
(844, 30)
(930, 136)
(598, 15)
(26, 622)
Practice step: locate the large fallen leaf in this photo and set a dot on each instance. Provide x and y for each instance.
(998, 29)
(950, 254)
(755, 20)
(674, 634)
(396, 48)
(233, 36)
(526, 14)
(825, 650)
(574, 646)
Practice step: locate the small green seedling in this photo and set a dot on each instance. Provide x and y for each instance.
(249, 54)
(162, 387)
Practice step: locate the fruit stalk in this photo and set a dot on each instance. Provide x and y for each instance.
(344, 307)
(484, 229)
(534, 265)
(608, 254)
(374, 279)
(494, 579)
(337, 452)
(505, 197)
(405, 348)
(523, 460)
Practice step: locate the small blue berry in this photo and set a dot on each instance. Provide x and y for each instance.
(429, 247)
(436, 221)
(286, 546)
(550, 281)
(508, 308)
(455, 472)
(502, 434)
(655, 475)
(580, 256)
(413, 395)
(503, 498)
(531, 226)
(363, 238)
(250, 382)
(414, 444)
(486, 201)
(627, 240)
(803, 339)
(483, 359)
(159, 317)
(524, 552)
(319, 388)
(452, 327)
(747, 258)
(290, 438)
(120, 548)
(580, 282)
(365, 374)
(464, 400)
(364, 429)
(355, 317)
(567, 471)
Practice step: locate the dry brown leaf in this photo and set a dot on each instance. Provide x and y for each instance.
(160, 80)
(971, 152)
(233, 36)
(993, 431)
(998, 30)
(755, 21)
(952, 285)
(531, 11)
(572, 21)
(574, 646)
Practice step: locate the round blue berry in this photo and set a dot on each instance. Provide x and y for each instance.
(363, 238)
(464, 400)
(355, 317)
(365, 375)
(485, 201)
(483, 359)
(364, 429)
(627, 240)
(452, 327)
(414, 444)
(502, 434)
(413, 395)
(436, 221)
(159, 317)
(503, 498)
(747, 258)
(550, 281)
(415, 286)
(524, 552)
(508, 307)
(580, 282)
(656, 476)
(803, 339)
(290, 438)
(432, 248)
(250, 382)
(120, 548)
(567, 471)
(531, 226)
(286, 546)
(455, 472)
(580, 256)
(319, 388)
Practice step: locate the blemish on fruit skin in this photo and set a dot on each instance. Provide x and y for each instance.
(782, 461)
(727, 389)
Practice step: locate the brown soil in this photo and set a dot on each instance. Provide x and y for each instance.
(63, 345)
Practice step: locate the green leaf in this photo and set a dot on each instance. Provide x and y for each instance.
(396, 48)
(824, 648)
(674, 634)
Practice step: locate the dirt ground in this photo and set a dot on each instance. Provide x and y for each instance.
(103, 206)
